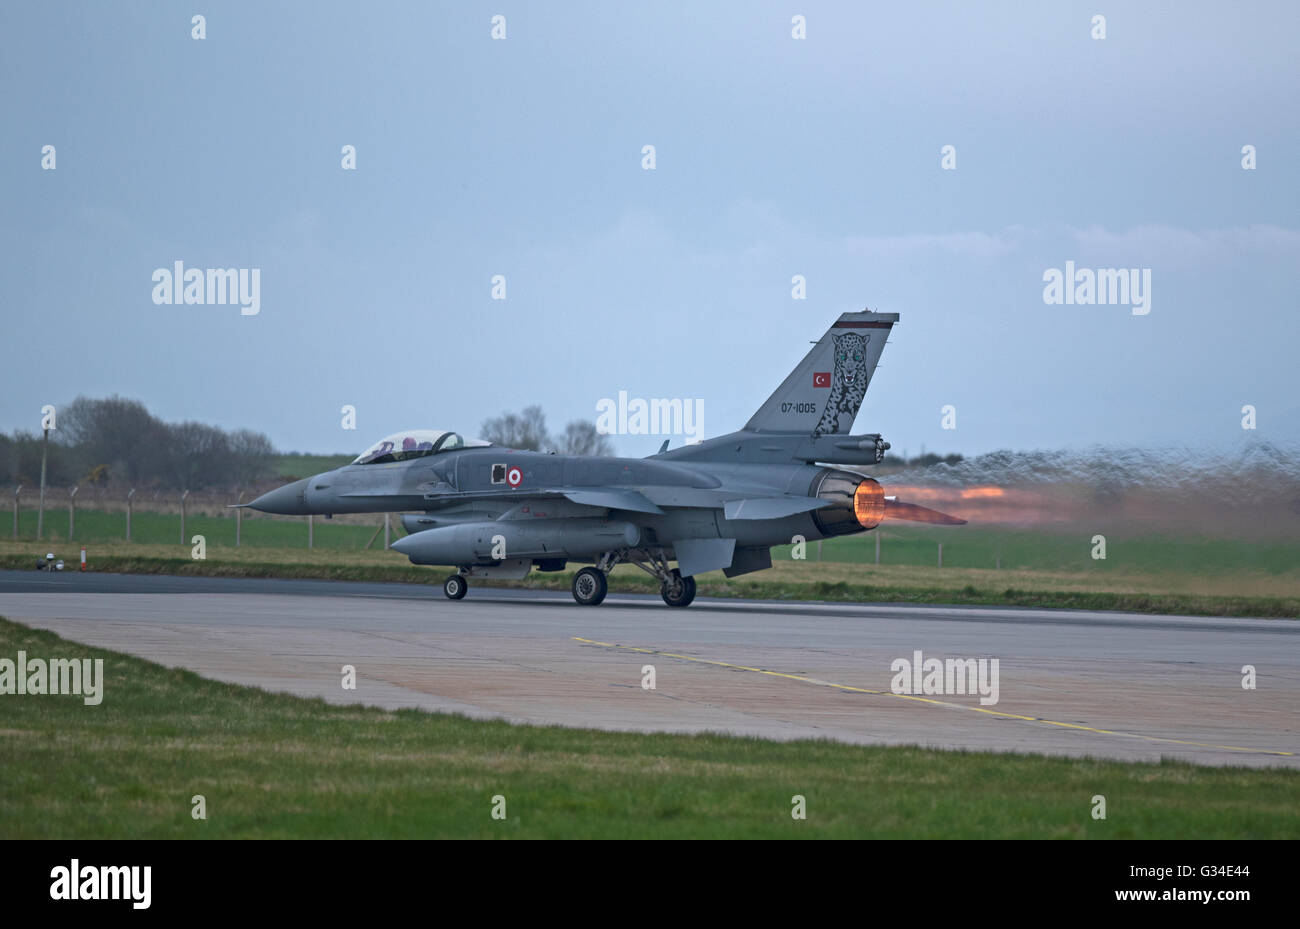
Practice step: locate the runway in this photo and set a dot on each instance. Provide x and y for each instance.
(1108, 685)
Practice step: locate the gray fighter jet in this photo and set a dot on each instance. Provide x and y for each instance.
(716, 505)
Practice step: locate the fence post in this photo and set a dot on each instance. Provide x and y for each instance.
(128, 513)
(877, 546)
(72, 512)
(239, 517)
(17, 491)
(311, 526)
(941, 554)
(184, 494)
(819, 551)
(40, 508)
(385, 532)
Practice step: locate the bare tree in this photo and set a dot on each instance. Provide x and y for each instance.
(8, 458)
(198, 455)
(581, 438)
(252, 453)
(524, 430)
(21, 454)
(116, 432)
(122, 438)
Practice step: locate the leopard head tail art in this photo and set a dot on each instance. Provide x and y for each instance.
(848, 383)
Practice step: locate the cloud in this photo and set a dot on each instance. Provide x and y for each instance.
(985, 245)
(1175, 246)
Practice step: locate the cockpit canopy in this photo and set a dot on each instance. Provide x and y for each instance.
(415, 443)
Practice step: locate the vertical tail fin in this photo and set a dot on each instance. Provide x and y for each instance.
(822, 395)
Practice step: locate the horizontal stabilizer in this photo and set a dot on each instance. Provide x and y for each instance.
(771, 507)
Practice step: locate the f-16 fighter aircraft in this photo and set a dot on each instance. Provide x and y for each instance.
(716, 505)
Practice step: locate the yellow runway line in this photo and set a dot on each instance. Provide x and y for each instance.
(943, 703)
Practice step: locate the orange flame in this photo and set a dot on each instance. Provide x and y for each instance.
(979, 492)
(869, 504)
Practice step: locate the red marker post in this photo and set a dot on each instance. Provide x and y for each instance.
(83, 557)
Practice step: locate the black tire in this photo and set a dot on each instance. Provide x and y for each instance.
(455, 587)
(680, 591)
(590, 586)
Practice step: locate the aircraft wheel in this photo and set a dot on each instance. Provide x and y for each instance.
(680, 591)
(590, 586)
(455, 587)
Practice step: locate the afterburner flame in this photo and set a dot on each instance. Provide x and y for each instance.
(990, 504)
(869, 504)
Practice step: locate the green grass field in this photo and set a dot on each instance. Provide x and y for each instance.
(910, 545)
(294, 465)
(276, 766)
(150, 528)
(1052, 550)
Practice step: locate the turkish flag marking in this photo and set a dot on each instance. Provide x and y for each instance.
(821, 378)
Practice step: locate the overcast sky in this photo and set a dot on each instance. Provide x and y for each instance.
(775, 157)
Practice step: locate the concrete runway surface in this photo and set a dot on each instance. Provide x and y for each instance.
(1113, 685)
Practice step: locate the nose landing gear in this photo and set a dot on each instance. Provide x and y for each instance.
(455, 587)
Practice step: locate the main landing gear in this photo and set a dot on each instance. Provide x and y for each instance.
(590, 584)
(678, 590)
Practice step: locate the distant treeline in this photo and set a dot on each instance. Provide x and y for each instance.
(527, 430)
(120, 443)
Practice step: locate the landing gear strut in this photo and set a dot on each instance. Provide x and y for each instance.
(675, 589)
(455, 587)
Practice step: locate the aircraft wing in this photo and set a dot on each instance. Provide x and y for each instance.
(615, 498)
(649, 500)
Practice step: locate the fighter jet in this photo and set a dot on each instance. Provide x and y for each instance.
(720, 504)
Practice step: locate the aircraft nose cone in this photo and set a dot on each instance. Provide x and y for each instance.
(288, 500)
(402, 545)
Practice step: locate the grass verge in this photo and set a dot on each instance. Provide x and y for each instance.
(277, 766)
(900, 584)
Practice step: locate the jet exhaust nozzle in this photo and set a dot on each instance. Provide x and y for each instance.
(860, 503)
